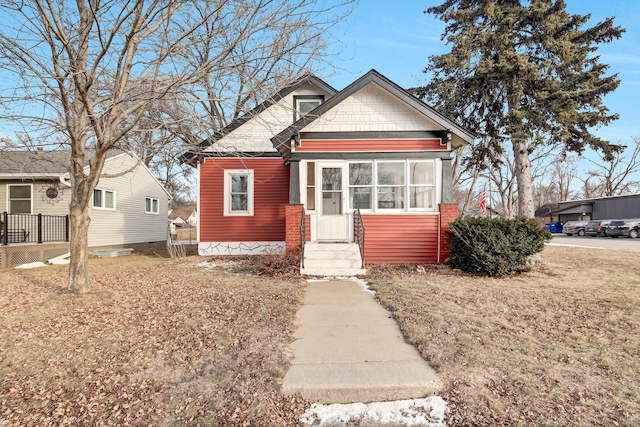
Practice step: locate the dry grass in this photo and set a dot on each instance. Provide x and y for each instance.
(158, 342)
(557, 346)
(163, 342)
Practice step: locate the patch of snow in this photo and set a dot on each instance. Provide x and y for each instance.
(32, 265)
(206, 264)
(317, 280)
(363, 284)
(60, 260)
(427, 412)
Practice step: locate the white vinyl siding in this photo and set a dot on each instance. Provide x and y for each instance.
(125, 225)
(129, 223)
(39, 202)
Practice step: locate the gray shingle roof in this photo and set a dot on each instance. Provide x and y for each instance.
(39, 162)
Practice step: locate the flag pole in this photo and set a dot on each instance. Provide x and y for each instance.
(490, 207)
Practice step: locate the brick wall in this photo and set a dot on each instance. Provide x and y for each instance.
(293, 213)
(448, 214)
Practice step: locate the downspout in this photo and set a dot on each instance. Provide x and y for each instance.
(439, 232)
(63, 181)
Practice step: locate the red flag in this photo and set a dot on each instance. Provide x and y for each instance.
(483, 202)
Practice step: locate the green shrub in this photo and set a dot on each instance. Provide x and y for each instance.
(494, 246)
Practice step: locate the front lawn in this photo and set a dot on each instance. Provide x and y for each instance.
(157, 342)
(558, 346)
(168, 342)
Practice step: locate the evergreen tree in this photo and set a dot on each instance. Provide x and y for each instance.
(525, 73)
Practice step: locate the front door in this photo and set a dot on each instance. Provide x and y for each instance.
(332, 216)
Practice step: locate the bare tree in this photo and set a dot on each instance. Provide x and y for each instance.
(614, 177)
(83, 73)
(465, 177)
(554, 185)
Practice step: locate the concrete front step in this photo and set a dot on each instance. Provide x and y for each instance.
(332, 259)
(334, 263)
(330, 271)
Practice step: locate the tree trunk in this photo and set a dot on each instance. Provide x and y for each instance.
(523, 177)
(79, 242)
(520, 152)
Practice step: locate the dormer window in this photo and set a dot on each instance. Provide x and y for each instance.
(303, 104)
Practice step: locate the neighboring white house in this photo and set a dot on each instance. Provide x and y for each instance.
(184, 215)
(128, 209)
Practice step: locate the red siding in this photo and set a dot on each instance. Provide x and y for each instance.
(400, 239)
(271, 194)
(369, 145)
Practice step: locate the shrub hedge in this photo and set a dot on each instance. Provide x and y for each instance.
(494, 246)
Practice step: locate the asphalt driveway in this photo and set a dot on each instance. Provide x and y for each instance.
(621, 243)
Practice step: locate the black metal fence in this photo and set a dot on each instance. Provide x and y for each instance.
(25, 228)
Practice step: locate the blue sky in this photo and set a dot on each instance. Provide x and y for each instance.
(396, 38)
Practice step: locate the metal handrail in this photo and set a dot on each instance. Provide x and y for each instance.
(303, 237)
(358, 232)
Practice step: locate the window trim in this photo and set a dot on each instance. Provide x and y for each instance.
(296, 103)
(104, 191)
(151, 212)
(9, 199)
(227, 192)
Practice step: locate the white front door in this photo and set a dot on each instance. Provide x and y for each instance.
(333, 225)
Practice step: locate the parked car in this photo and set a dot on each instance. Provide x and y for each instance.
(571, 228)
(597, 227)
(625, 228)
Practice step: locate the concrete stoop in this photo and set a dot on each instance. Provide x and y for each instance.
(332, 259)
(348, 349)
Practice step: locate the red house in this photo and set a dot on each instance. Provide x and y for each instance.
(368, 167)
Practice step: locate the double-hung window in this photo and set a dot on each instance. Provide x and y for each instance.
(238, 192)
(104, 199)
(151, 206)
(19, 198)
(390, 185)
(421, 185)
(361, 185)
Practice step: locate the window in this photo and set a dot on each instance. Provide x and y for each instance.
(303, 104)
(360, 185)
(421, 185)
(311, 186)
(390, 185)
(238, 192)
(19, 199)
(407, 185)
(104, 199)
(151, 205)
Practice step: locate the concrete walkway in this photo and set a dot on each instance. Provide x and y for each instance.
(348, 349)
